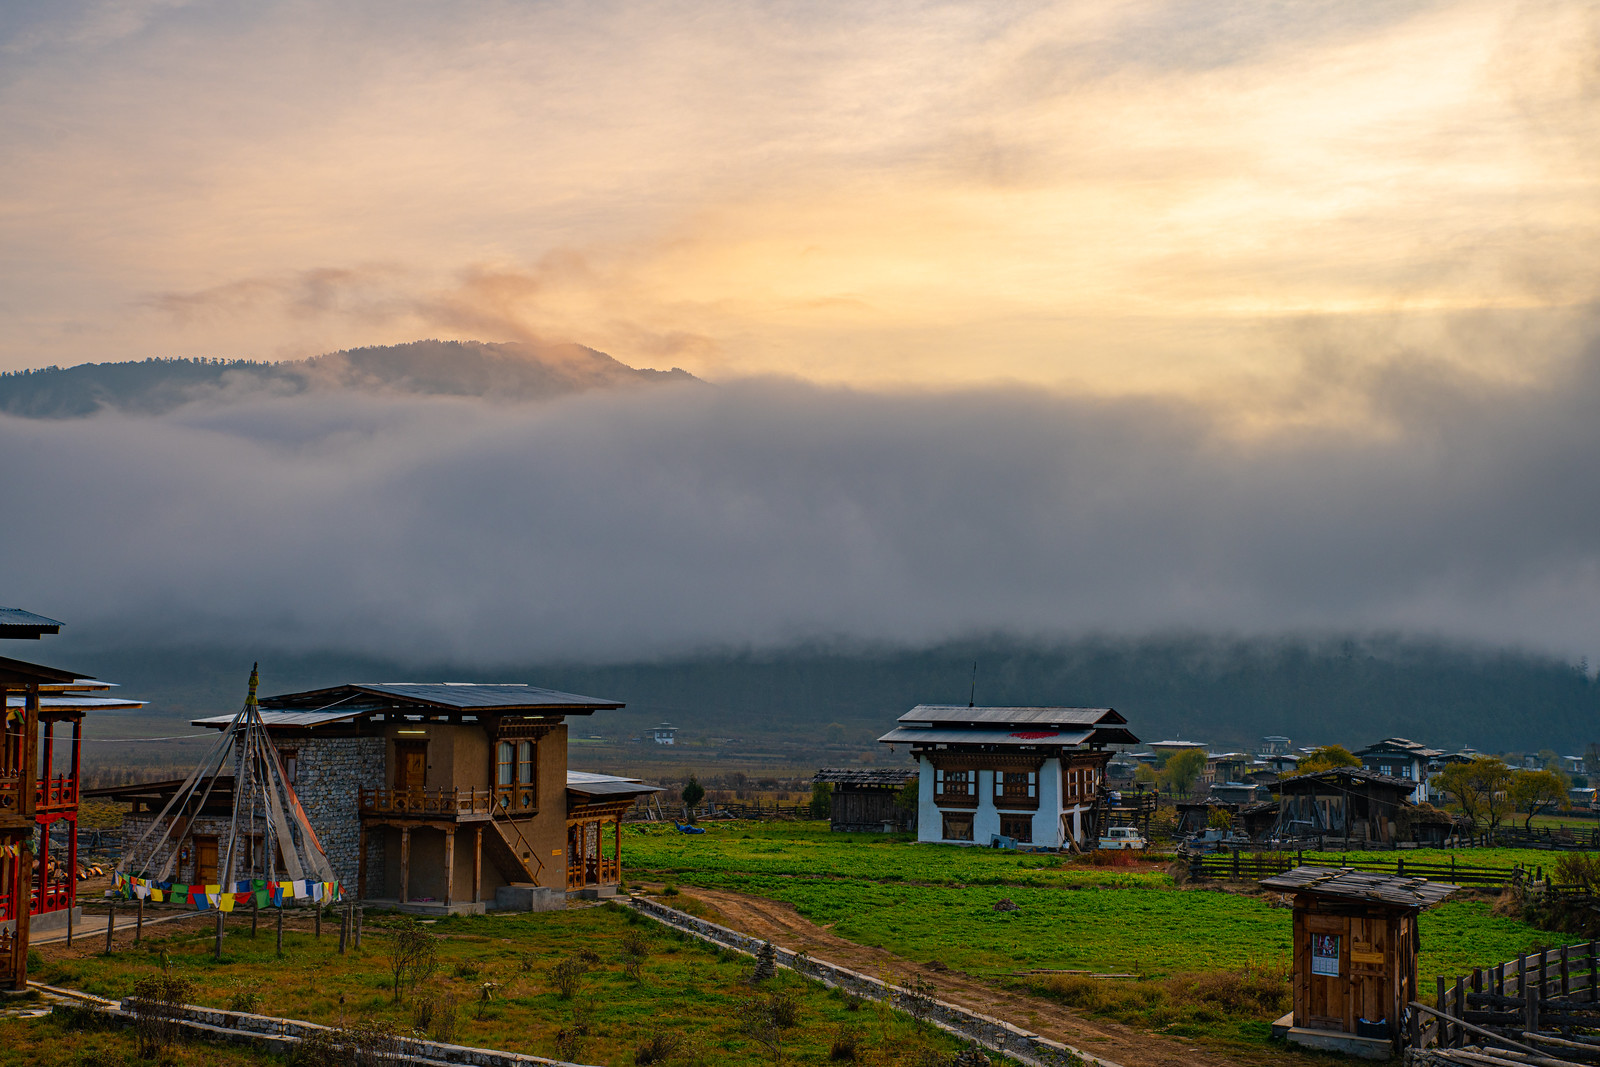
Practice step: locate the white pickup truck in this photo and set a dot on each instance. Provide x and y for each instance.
(1118, 837)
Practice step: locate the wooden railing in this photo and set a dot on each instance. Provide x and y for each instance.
(426, 803)
(57, 794)
(1239, 866)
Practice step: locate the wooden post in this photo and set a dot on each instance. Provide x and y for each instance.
(69, 910)
(111, 919)
(449, 868)
(255, 914)
(138, 923)
(361, 864)
(344, 928)
(280, 929)
(1566, 977)
(27, 806)
(1461, 1008)
(318, 921)
(1530, 997)
(477, 864)
(1594, 978)
(219, 934)
(1444, 1009)
(405, 864)
(357, 937)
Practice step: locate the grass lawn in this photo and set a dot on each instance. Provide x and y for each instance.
(929, 902)
(1529, 858)
(684, 987)
(48, 1042)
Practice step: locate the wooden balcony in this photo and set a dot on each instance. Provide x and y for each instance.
(56, 794)
(461, 804)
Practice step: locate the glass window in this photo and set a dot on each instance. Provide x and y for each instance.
(504, 755)
(958, 827)
(525, 775)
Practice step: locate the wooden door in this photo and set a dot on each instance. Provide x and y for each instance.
(1370, 948)
(1326, 972)
(205, 860)
(411, 765)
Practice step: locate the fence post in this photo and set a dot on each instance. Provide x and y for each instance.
(1530, 998)
(138, 923)
(218, 953)
(1565, 976)
(1236, 863)
(1594, 977)
(1444, 1009)
(280, 929)
(1400, 866)
(111, 923)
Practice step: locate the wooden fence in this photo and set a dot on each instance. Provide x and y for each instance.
(1551, 992)
(1238, 866)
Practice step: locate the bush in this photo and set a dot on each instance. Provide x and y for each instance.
(659, 1048)
(245, 999)
(468, 969)
(567, 977)
(371, 1043)
(436, 1013)
(848, 1042)
(589, 956)
(413, 955)
(156, 1006)
(1573, 868)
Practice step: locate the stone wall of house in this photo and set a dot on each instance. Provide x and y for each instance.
(330, 772)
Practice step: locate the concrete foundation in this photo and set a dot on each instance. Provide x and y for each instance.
(50, 921)
(524, 896)
(1366, 1048)
(593, 892)
(430, 907)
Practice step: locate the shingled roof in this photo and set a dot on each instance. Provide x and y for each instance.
(1361, 885)
(885, 776)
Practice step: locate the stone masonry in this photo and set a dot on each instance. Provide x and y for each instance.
(329, 774)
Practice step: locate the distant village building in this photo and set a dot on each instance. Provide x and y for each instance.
(1031, 774)
(1350, 803)
(867, 799)
(1273, 745)
(1399, 757)
(449, 797)
(664, 734)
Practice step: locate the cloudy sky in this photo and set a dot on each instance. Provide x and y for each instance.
(1118, 197)
(1045, 316)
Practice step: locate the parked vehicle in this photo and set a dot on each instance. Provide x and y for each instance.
(1212, 839)
(1123, 837)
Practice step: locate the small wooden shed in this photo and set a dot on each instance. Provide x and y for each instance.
(1355, 955)
(865, 798)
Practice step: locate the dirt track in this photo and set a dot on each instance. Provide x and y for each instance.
(1126, 1045)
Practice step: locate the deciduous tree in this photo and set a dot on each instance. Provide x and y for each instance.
(1533, 792)
(1326, 758)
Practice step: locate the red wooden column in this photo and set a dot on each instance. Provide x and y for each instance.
(72, 847)
(27, 770)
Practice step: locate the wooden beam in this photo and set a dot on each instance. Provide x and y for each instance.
(449, 866)
(477, 864)
(405, 864)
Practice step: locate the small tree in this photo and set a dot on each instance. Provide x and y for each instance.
(692, 794)
(1325, 758)
(768, 1019)
(1183, 768)
(821, 800)
(1533, 792)
(1479, 789)
(413, 955)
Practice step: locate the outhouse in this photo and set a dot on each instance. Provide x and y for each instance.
(1355, 956)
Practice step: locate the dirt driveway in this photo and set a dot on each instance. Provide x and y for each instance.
(1126, 1045)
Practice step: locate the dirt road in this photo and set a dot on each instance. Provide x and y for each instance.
(1131, 1047)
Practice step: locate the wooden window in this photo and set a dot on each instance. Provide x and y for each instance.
(505, 765)
(955, 787)
(957, 827)
(1017, 827)
(525, 763)
(290, 757)
(1016, 789)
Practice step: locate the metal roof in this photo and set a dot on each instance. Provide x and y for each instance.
(285, 718)
(25, 625)
(997, 716)
(1399, 746)
(18, 700)
(20, 672)
(1361, 885)
(1332, 777)
(892, 776)
(925, 735)
(595, 785)
(455, 696)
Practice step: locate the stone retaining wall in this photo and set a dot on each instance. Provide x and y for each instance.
(995, 1034)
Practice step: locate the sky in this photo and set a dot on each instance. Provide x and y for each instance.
(1040, 317)
(1113, 198)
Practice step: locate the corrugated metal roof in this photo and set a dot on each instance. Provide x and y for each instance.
(16, 700)
(284, 718)
(15, 623)
(504, 696)
(1016, 715)
(1361, 885)
(596, 785)
(924, 735)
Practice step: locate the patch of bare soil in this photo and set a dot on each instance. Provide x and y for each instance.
(1127, 1045)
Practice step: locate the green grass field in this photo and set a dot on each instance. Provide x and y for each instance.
(684, 988)
(929, 902)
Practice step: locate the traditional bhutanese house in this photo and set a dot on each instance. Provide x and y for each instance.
(1346, 802)
(1355, 956)
(1399, 757)
(1032, 774)
(449, 797)
(866, 799)
(39, 765)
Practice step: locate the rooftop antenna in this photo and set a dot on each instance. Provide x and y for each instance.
(973, 693)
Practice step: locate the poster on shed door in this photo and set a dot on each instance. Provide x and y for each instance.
(1325, 954)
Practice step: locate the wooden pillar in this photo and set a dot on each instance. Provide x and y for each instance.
(361, 864)
(477, 864)
(449, 866)
(405, 864)
(27, 771)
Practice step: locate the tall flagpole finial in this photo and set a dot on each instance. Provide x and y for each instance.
(255, 679)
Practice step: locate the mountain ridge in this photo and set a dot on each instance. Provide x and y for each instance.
(506, 371)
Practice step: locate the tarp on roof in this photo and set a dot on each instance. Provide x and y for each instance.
(1031, 715)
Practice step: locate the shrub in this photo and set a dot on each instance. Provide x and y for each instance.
(569, 1042)
(669, 890)
(468, 969)
(567, 977)
(413, 955)
(1573, 868)
(589, 956)
(847, 1043)
(436, 1013)
(370, 1043)
(156, 1006)
(245, 999)
(658, 1048)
